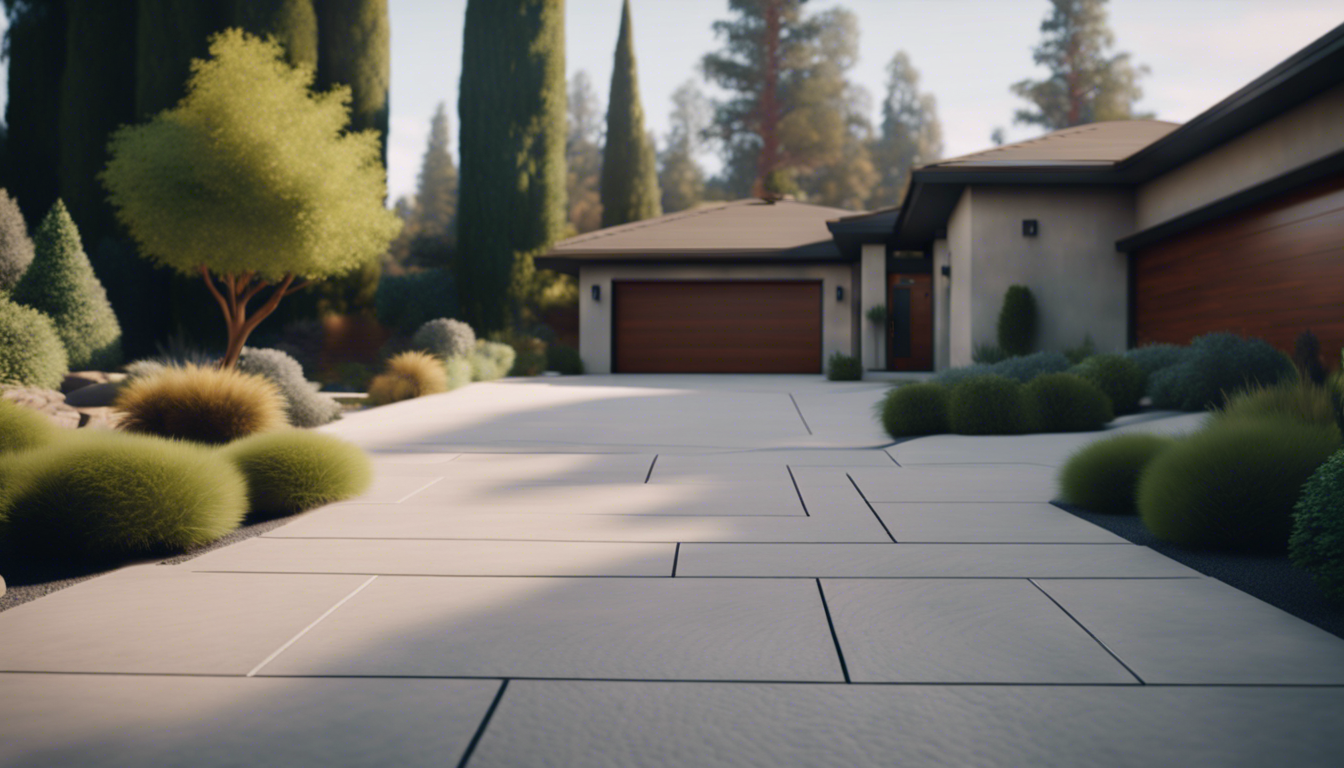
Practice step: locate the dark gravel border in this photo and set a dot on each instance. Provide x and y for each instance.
(1271, 578)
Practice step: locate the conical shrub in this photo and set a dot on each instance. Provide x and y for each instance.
(61, 284)
(16, 248)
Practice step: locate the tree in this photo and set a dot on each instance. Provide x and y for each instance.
(16, 248)
(583, 155)
(433, 214)
(60, 284)
(629, 169)
(680, 176)
(292, 22)
(511, 108)
(355, 49)
(251, 183)
(911, 134)
(168, 35)
(35, 50)
(1086, 83)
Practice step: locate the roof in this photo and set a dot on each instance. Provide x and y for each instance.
(740, 230)
(1091, 145)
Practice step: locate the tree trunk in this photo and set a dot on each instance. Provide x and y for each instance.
(238, 290)
(769, 109)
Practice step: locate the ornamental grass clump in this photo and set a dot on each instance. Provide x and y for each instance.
(295, 470)
(31, 353)
(1233, 485)
(1121, 379)
(1063, 402)
(989, 405)
(1317, 541)
(841, 367)
(445, 338)
(105, 496)
(23, 429)
(914, 409)
(304, 405)
(204, 405)
(408, 375)
(1295, 400)
(1104, 476)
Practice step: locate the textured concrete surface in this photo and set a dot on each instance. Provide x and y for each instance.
(672, 570)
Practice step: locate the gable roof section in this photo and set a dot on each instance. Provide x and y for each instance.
(1095, 145)
(734, 231)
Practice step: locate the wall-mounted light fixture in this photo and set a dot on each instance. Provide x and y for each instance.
(839, 293)
(947, 270)
(1030, 227)
(597, 293)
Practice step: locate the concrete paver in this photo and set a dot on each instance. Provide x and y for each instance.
(986, 483)
(1001, 523)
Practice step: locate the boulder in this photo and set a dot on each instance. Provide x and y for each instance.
(94, 396)
(47, 401)
(76, 380)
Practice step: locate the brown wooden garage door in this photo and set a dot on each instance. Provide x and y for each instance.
(716, 327)
(1271, 271)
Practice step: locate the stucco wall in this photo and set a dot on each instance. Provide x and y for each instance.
(942, 304)
(873, 286)
(837, 320)
(1299, 136)
(1079, 280)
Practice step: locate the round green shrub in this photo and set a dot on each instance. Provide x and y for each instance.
(989, 405)
(23, 429)
(1154, 357)
(842, 367)
(1121, 379)
(1233, 484)
(953, 376)
(1217, 365)
(1317, 541)
(61, 284)
(492, 360)
(98, 496)
(1064, 402)
(1104, 476)
(459, 371)
(1027, 367)
(16, 248)
(303, 405)
(294, 470)
(563, 360)
(31, 353)
(915, 409)
(1017, 321)
(445, 338)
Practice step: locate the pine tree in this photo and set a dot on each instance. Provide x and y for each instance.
(292, 22)
(911, 134)
(583, 156)
(629, 171)
(355, 49)
(680, 176)
(60, 283)
(35, 49)
(1086, 83)
(511, 107)
(436, 197)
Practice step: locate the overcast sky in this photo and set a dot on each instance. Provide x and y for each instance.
(967, 51)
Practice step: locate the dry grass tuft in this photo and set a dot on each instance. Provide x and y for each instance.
(408, 375)
(205, 405)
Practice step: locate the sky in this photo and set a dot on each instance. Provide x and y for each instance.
(968, 52)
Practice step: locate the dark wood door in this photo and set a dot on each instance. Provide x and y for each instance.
(742, 326)
(910, 322)
(1271, 271)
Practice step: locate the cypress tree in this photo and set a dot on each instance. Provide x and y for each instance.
(168, 35)
(60, 283)
(436, 199)
(292, 22)
(511, 107)
(355, 49)
(629, 169)
(35, 46)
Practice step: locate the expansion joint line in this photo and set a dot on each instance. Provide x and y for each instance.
(870, 507)
(485, 723)
(305, 630)
(1104, 647)
(844, 668)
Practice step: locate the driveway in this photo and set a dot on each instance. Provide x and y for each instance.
(673, 570)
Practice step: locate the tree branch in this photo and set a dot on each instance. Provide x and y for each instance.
(210, 283)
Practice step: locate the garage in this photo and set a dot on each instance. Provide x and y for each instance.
(716, 326)
(1271, 271)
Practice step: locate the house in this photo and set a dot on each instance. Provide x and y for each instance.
(1130, 232)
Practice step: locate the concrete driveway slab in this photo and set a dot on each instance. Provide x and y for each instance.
(998, 523)
(586, 628)
(409, 557)
(899, 561)
(1201, 631)
(719, 500)
(988, 483)
(650, 725)
(115, 721)
(392, 489)
(160, 620)
(962, 631)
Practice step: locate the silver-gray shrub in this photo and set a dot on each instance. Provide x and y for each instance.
(305, 406)
(445, 338)
(16, 248)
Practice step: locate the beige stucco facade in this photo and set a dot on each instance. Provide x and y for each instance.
(872, 287)
(595, 320)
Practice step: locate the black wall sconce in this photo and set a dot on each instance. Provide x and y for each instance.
(597, 293)
(947, 270)
(1030, 227)
(839, 293)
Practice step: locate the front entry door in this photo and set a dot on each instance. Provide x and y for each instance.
(910, 322)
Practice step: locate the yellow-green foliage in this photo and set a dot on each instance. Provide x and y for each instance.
(206, 405)
(251, 172)
(294, 470)
(31, 354)
(98, 495)
(1293, 399)
(491, 361)
(1104, 476)
(22, 429)
(408, 375)
(459, 370)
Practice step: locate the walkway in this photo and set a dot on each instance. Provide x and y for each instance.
(672, 571)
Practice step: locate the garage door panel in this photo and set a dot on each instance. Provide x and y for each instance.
(745, 326)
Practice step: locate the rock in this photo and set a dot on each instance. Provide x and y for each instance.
(47, 401)
(80, 379)
(94, 396)
(99, 418)
(2, 586)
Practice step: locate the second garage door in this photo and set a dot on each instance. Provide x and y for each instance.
(742, 326)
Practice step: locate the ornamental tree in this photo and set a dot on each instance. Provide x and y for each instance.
(250, 182)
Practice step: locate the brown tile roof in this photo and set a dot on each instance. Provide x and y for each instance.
(741, 227)
(1094, 144)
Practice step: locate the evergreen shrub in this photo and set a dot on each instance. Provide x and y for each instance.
(294, 470)
(16, 248)
(408, 375)
(445, 338)
(303, 405)
(1120, 378)
(842, 367)
(1154, 357)
(1233, 484)
(1017, 321)
(1317, 541)
(406, 302)
(563, 359)
(1217, 365)
(31, 352)
(988, 354)
(23, 429)
(915, 409)
(204, 405)
(1291, 399)
(989, 405)
(953, 376)
(1104, 476)
(1024, 368)
(459, 370)
(529, 352)
(1064, 402)
(492, 360)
